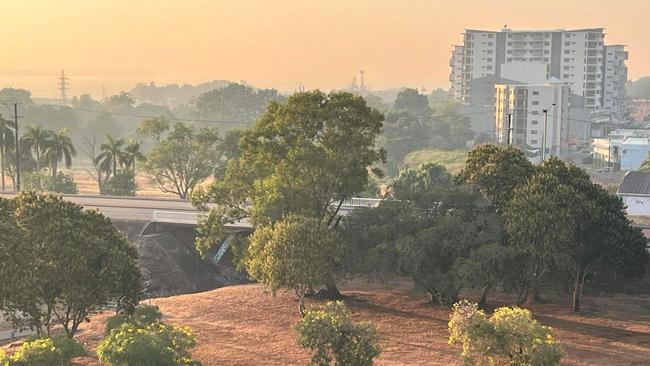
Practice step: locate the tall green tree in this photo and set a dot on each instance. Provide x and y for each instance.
(37, 140)
(184, 159)
(112, 154)
(305, 157)
(154, 128)
(294, 253)
(570, 224)
(59, 149)
(133, 154)
(64, 263)
(235, 103)
(496, 171)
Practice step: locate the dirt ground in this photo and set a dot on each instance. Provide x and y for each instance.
(245, 325)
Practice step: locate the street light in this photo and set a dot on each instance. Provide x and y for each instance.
(545, 124)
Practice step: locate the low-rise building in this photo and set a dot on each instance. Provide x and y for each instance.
(635, 193)
(634, 151)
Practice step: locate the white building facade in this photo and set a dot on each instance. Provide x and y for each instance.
(519, 117)
(456, 75)
(578, 58)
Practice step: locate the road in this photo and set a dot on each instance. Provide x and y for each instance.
(142, 208)
(126, 208)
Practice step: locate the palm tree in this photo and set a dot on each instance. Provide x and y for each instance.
(133, 153)
(6, 142)
(36, 139)
(59, 149)
(112, 154)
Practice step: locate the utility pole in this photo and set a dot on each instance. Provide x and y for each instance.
(16, 116)
(545, 124)
(509, 137)
(2, 153)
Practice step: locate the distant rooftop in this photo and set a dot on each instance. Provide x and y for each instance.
(535, 30)
(635, 183)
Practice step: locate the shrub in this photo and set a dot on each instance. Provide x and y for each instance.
(55, 351)
(330, 333)
(509, 337)
(155, 344)
(121, 184)
(142, 316)
(42, 182)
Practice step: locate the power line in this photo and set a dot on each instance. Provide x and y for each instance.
(178, 119)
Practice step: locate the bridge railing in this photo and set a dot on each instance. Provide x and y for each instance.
(176, 217)
(362, 202)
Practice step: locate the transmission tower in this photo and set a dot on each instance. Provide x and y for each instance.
(63, 87)
(362, 83)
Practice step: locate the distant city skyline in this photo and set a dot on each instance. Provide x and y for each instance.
(280, 44)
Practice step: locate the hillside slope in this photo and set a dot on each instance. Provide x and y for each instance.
(245, 325)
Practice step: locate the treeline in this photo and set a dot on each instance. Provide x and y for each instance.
(502, 223)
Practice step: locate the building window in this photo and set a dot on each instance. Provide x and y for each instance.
(566, 52)
(535, 112)
(534, 122)
(534, 142)
(489, 52)
(533, 132)
(535, 102)
(535, 92)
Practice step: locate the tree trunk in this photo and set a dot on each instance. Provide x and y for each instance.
(54, 169)
(577, 288)
(523, 296)
(483, 302)
(332, 291)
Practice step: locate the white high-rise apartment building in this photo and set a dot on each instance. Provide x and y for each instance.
(615, 79)
(578, 58)
(456, 76)
(520, 116)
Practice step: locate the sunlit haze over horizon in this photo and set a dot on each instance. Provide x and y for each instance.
(280, 44)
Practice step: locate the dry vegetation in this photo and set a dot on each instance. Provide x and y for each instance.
(245, 325)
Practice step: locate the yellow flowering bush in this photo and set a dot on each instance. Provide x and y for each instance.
(56, 351)
(330, 333)
(4, 361)
(510, 336)
(154, 344)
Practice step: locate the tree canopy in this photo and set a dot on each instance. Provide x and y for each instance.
(63, 263)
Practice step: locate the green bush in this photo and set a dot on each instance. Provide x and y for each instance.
(55, 351)
(121, 184)
(42, 182)
(330, 333)
(155, 344)
(509, 337)
(143, 316)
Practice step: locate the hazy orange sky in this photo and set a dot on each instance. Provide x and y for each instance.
(276, 43)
